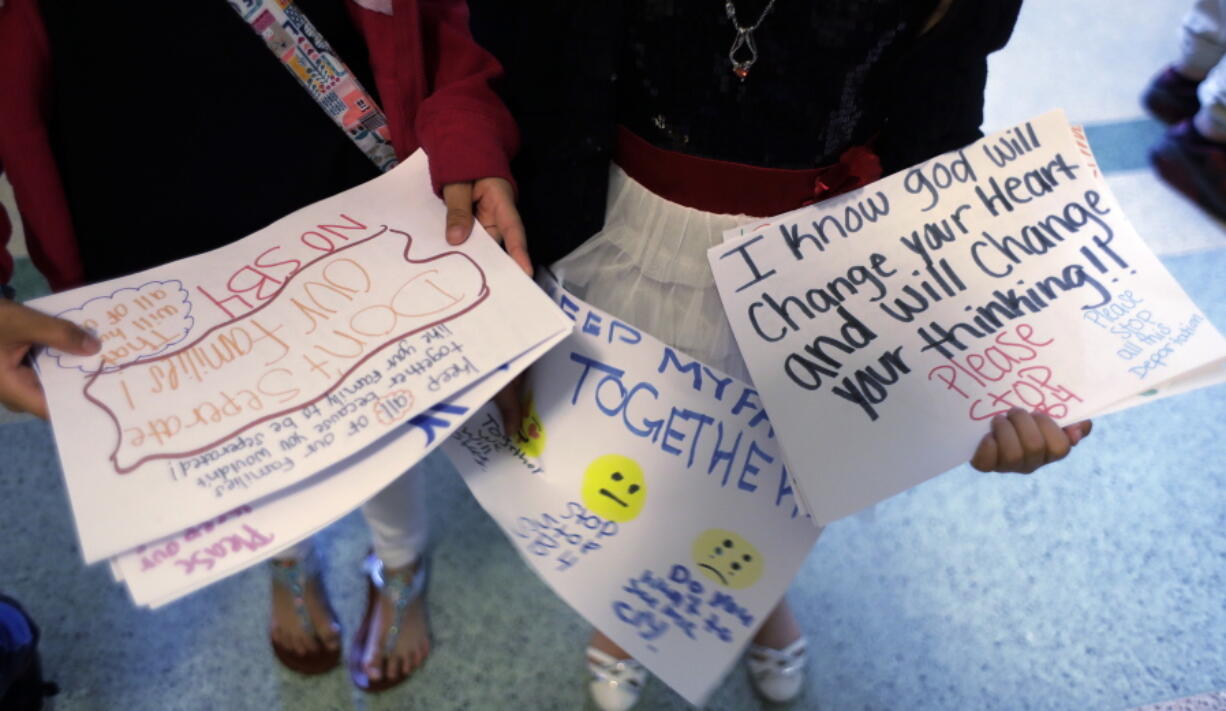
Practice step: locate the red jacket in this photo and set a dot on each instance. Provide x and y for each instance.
(433, 80)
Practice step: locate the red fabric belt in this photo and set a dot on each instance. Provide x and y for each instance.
(735, 188)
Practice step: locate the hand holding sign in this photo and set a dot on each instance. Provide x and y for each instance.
(21, 330)
(233, 375)
(1022, 442)
(999, 283)
(495, 210)
(494, 199)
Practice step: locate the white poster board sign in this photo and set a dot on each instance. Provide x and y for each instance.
(227, 376)
(886, 327)
(650, 494)
(161, 572)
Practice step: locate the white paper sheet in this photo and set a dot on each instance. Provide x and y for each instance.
(650, 495)
(173, 567)
(885, 327)
(230, 375)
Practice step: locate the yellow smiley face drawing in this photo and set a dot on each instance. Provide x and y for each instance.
(531, 436)
(614, 488)
(728, 559)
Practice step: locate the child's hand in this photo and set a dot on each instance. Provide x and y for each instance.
(1022, 442)
(22, 328)
(494, 199)
(509, 402)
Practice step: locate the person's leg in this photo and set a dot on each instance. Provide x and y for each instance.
(399, 531)
(603, 643)
(1172, 95)
(1203, 39)
(1210, 120)
(1191, 157)
(616, 679)
(780, 628)
(776, 656)
(302, 621)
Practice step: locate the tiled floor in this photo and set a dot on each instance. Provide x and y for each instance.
(1095, 584)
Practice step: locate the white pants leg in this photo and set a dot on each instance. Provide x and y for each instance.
(397, 520)
(1202, 48)
(1203, 37)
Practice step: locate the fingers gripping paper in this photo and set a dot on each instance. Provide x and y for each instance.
(886, 327)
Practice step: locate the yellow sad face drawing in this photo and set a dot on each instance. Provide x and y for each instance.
(531, 436)
(614, 488)
(728, 559)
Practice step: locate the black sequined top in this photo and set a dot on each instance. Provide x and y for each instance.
(176, 131)
(577, 68)
(813, 91)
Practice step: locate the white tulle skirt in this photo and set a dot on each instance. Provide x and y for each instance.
(648, 267)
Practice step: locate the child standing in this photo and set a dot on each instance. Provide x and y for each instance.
(139, 133)
(652, 126)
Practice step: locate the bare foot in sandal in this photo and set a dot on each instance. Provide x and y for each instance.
(303, 628)
(396, 638)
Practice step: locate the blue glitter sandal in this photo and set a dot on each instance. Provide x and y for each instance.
(402, 589)
(294, 577)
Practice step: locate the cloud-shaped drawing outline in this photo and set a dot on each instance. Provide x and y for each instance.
(187, 317)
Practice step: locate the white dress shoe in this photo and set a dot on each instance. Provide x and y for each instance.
(778, 674)
(616, 683)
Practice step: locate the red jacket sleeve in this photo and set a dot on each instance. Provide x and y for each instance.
(434, 83)
(25, 149)
(6, 259)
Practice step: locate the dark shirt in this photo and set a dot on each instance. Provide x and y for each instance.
(177, 131)
(563, 59)
(814, 91)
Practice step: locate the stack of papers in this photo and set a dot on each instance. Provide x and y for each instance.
(248, 397)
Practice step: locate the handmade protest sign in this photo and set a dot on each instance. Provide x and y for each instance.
(168, 569)
(886, 327)
(648, 491)
(230, 375)
(1203, 377)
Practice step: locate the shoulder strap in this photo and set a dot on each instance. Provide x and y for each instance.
(291, 37)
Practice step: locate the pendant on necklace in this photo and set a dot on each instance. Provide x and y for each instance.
(744, 38)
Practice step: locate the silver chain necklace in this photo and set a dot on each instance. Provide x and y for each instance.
(744, 38)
